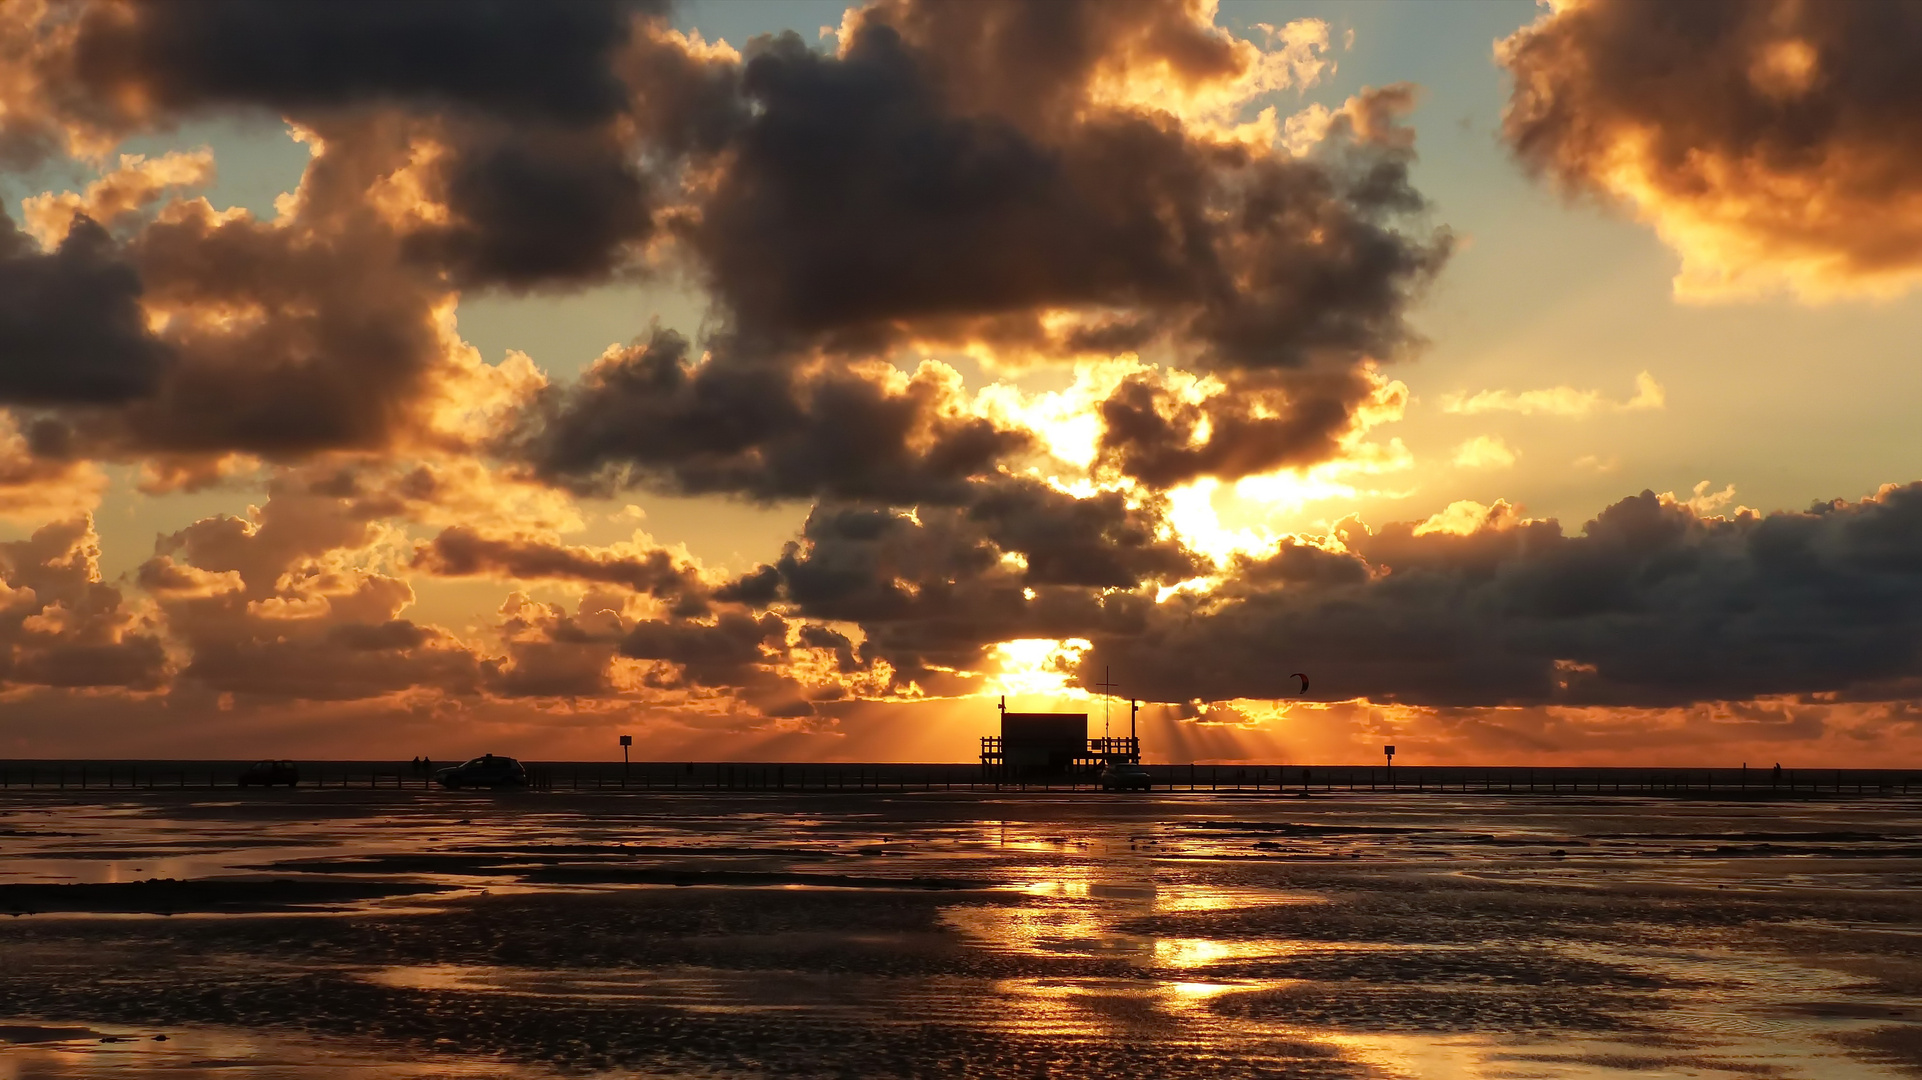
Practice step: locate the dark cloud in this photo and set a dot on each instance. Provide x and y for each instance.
(334, 347)
(71, 327)
(1651, 605)
(934, 588)
(897, 190)
(533, 124)
(332, 667)
(552, 654)
(954, 172)
(1756, 135)
(1096, 541)
(463, 552)
(651, 415)
(872, 197)
(530, 208)
(1258, 425)
(737, 652)
(285, 339)
(1034, 63)
(542, 62)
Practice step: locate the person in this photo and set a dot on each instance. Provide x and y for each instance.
(416, 765)
(1775, 775)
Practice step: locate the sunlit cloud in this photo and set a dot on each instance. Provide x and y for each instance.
(1705, 502)
(1484, 452)
(1750, 138)
(1465, 517)
(1557, 401)
(1178, 407)
(136, 185)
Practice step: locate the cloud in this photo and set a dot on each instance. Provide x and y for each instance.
(1705, 502)
(306, 599)
(900, 191)
(71, 326)
(936, 588)
(140, 61)
(292, 603)
(1484, 452)
(1558, 401)
(1654, 604)
(1162, 433)
(1104, 184)
(62, 626)
(117, 196)
(283, 340)
(1771, 144)
(38, 487)
(522, 120)
(638, 565)
(652, 415)
(836, 207)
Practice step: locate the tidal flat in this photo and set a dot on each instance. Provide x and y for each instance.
(322, 934)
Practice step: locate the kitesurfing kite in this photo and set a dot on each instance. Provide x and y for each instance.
(1304, 681)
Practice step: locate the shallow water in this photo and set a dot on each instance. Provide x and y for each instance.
(325, 934)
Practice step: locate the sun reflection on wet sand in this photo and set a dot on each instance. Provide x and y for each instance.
(1423, 938)
(207, 1053)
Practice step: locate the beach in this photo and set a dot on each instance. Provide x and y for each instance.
(413, 933)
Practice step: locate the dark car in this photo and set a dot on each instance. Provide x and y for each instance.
(269, 773)
(1120, 777)
(488, 770)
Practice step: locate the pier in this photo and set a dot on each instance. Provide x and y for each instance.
(906, 777)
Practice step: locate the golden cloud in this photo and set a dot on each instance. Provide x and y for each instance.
(1772, 144)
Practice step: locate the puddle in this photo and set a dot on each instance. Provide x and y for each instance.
(1419, 937)
(199, 1053)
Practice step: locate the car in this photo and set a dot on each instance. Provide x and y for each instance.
(1120, 776)
(269, 773)
(488, 770)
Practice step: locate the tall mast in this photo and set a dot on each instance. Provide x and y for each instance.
(1106, 684)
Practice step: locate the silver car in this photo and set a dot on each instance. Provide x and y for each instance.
(1118, 777)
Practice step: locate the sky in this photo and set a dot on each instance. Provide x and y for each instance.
(792, 381)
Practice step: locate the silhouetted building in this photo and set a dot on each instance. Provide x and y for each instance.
(1035, 744)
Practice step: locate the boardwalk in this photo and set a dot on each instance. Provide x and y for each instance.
(801, 777)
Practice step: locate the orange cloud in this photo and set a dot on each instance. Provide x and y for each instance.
(122, 194)
(1484, 452)
(1557, 401)
(1772, 144)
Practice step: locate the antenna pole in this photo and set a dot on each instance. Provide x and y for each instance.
(1106, 685)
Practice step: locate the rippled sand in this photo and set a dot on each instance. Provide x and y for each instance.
(415, 934)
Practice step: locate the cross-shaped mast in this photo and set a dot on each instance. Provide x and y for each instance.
(1104, 686)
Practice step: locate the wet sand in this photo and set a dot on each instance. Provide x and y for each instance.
(325, 934)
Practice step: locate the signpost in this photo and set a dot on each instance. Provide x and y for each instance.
(626, 741)
(1390, 751)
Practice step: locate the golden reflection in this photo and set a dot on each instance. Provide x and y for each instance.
(1202, 952)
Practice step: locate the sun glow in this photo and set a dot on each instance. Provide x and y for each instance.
(1192, 513)
(1037, 666)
